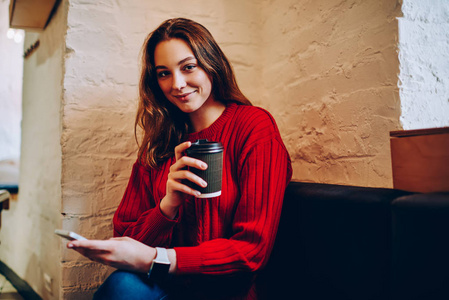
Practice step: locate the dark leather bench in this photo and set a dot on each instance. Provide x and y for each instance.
(359, 243)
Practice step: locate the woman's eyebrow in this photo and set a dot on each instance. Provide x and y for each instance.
(179, 63)
(186, 59)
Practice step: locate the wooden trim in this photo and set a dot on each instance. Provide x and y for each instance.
(22, 287)
(31, 14)
(12, 6)
(53, 11)
(426, 131)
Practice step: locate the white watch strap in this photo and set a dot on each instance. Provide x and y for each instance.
(162, 255)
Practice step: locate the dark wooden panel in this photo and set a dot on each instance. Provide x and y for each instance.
(420, 161)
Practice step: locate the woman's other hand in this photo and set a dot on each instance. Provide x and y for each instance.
(121, 253)
(176, 188)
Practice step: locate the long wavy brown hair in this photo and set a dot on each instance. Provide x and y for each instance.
(164, 125)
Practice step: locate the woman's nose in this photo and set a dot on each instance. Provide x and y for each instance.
(179, 81)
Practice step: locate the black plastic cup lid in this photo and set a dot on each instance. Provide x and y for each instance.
(204, 146)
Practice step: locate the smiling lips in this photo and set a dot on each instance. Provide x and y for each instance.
(183, 97)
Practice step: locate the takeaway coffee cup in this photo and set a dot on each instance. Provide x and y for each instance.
(212, 154)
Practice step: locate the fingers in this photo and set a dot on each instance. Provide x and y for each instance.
(98, 245)
(180, 187)
(122, 253)
(96, 250)
(89, 244)
(180, 176)
(181, 148)
(185, 161)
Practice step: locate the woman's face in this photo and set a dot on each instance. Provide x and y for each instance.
(183, 82)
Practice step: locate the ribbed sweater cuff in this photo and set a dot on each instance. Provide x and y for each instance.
(188, 259)
(161, 222)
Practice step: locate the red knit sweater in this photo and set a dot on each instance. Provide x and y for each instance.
(233, 232)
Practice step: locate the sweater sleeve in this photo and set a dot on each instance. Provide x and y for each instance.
(265, 170)
(139, 216)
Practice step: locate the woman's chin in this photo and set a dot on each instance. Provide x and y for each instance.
(187, 108)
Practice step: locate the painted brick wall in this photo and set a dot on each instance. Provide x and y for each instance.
(103, 42)
(330, 74)
(424, 57)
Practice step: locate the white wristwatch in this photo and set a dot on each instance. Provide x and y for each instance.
(160, 265)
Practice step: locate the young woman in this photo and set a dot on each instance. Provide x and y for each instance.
(196, 248)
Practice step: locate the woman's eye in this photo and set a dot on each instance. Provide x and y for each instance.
(190, 67)
(162, 74)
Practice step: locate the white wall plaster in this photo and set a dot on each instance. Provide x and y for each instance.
(11, 68)
(28, 245)
(424, 63)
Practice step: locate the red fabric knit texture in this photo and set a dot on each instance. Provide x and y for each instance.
(226, 234)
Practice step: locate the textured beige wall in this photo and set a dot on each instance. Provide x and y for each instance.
(330, 76)
(28, 245)
(100, 92)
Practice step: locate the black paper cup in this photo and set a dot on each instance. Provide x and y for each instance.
(212, 154)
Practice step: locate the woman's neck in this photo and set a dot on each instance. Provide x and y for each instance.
(206, 114)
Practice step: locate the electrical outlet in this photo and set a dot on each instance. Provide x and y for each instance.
(48, 282)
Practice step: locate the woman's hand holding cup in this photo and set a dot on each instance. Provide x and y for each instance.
(176, 189)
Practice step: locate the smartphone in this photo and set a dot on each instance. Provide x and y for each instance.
(69, 235)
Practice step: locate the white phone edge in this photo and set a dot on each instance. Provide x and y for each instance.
(70, 235)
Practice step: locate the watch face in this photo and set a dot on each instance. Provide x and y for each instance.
(158, 270)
